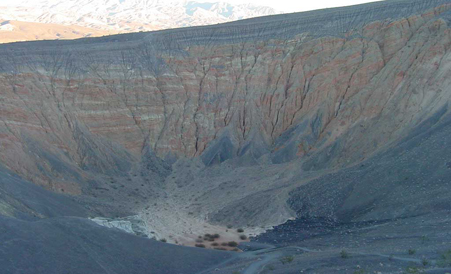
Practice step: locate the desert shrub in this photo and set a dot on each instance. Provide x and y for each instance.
(240, 230)
(163, 240)
(200, 245)
(411, 251)
(216, 236)
(424, 239)
(424, 262)
(214, 244)
(199, 241)
(224, 244)
(344, 254)
(232, 244)
(413, 270)
(286, 259)
(243, 237)
(445, 259)
(210, 237)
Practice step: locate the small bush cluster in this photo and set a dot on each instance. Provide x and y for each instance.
(200, 245)
(287, 259)
(240, 230)
(424, 239)
(211, 237)
(425, 262)
(232, 244)
(413, 270)
(344, 254)
(445, 259)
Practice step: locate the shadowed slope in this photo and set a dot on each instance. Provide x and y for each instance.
(72, 245)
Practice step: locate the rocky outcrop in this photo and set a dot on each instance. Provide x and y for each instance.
(132, 224)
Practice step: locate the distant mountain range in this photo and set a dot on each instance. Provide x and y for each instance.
(68, 19)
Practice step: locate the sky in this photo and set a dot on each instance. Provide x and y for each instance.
(299, 5)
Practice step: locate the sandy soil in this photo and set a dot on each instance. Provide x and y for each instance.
(166, 220)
